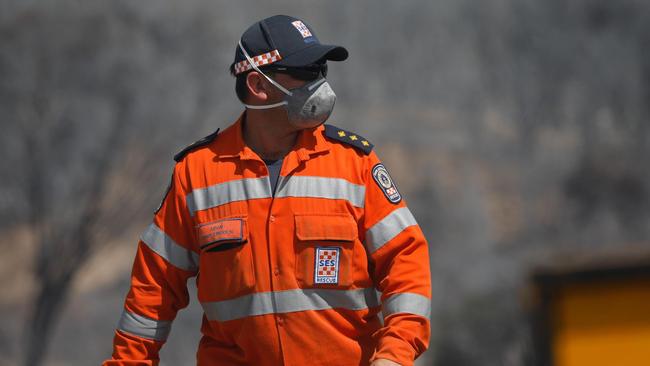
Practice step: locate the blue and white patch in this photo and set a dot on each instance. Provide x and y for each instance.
(302, 28)
(385, 182)
(327, 265)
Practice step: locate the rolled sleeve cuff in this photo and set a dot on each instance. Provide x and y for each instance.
(394, 349)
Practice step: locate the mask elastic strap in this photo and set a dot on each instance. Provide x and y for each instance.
(265, 106)
(315, 84)
(250, 61)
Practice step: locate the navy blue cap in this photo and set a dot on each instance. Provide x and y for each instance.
(294, 40)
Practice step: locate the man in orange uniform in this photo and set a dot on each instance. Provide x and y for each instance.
(291, 227)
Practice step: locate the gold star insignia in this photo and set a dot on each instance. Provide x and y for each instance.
(342, 133)
(353, 138)
(365, 143)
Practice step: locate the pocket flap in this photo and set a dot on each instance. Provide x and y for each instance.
(326, 227)
(216, 233)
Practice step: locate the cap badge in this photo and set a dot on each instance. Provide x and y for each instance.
(302, 28)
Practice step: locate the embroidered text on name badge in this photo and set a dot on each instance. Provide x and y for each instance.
(327, 265)
(225, 230)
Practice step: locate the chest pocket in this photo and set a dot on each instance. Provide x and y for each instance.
(226, 259)
(324, 249)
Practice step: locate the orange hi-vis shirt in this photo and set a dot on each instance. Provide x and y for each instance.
(299, 276)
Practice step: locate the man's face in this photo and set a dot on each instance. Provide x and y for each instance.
(287, 81)
(289, 78)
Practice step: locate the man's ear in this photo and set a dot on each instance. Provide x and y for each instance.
(257, 86)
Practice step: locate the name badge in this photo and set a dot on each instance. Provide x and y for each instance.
(221, 231)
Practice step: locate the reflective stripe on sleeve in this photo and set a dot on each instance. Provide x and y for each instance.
(407, 303)
(166, 247)
(231, 191)
(388, 228)
(322, 187)
(144, 327)
(288, 301)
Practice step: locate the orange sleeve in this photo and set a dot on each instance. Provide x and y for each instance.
(400, 262)
(166, 258)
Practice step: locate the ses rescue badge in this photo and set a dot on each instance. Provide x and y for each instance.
(327, 265)
(302, 28)
(385, 182)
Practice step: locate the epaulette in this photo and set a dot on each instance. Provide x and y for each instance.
(204, 141)
(349, 138)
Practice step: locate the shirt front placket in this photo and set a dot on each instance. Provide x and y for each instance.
(280, 238)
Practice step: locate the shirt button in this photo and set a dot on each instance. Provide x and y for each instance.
(276, 271)
(280, 321)
(272, 218)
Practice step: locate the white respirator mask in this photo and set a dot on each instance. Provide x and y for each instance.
(307, 106)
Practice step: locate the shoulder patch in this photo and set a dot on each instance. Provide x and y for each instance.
(349, 138)
(385, 183)
(204, 141)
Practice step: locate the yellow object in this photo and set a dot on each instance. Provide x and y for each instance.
(602, 324)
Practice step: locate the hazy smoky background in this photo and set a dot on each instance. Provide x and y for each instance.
(517, 130)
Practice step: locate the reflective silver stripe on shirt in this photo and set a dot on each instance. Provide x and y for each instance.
(231, 191)
(388, 228)
(289, 301)
(166, 247)
(322, 187)
(407, 303)
(144, 327)
(292, 186)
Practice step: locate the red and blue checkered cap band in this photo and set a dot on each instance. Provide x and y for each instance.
(259, 60)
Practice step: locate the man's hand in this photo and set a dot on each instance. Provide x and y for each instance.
(384, 362)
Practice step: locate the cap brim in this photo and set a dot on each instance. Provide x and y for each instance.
(314, 54)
